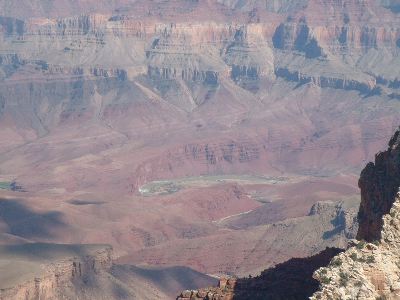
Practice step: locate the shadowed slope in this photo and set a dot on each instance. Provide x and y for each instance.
(291, 280)
(24, 222)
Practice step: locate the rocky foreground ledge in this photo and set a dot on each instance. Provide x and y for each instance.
(370, 269)
(366, 271)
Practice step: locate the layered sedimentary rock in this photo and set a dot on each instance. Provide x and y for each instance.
(99, 98)
(59, 271)
(258, 246)
(379, 184)
(50, 271)
(350, 51)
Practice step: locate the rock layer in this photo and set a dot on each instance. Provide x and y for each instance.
(57, 275)
(379, 183)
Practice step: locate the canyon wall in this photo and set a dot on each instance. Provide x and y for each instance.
(369, 269)
(57, 278)
(379, 183)
(342, 53)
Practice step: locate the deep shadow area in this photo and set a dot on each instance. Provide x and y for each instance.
(24, 222)
(379, 183)
(291, 280)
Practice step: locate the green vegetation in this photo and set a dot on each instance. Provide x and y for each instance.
(361, 245)
(166, 187)
(370, 259)
(376, 242)
(4, 185)
(324, 271)
(353, 256)
(358, 283)
(337, 262)
(325, 279)
(344, 278)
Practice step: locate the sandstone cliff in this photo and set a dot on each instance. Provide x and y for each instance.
(97, 102)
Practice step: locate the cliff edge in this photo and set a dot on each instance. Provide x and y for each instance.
(46, 271)
(379, 183)
(370, 269)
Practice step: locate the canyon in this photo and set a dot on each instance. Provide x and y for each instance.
(175, 129)
(369, 267)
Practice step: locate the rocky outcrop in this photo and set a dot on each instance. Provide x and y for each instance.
(55, 277)
(367, 270)
(297, 36)
(379, 183)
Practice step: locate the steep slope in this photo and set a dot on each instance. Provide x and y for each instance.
(257, 247)
(379, 184)
(290, 280)
(370, 270)
(60, 271)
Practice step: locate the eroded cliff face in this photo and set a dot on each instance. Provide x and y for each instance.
(379, 183)
(346, 50)
(166, 89)
(291, 279)
(55, 278)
